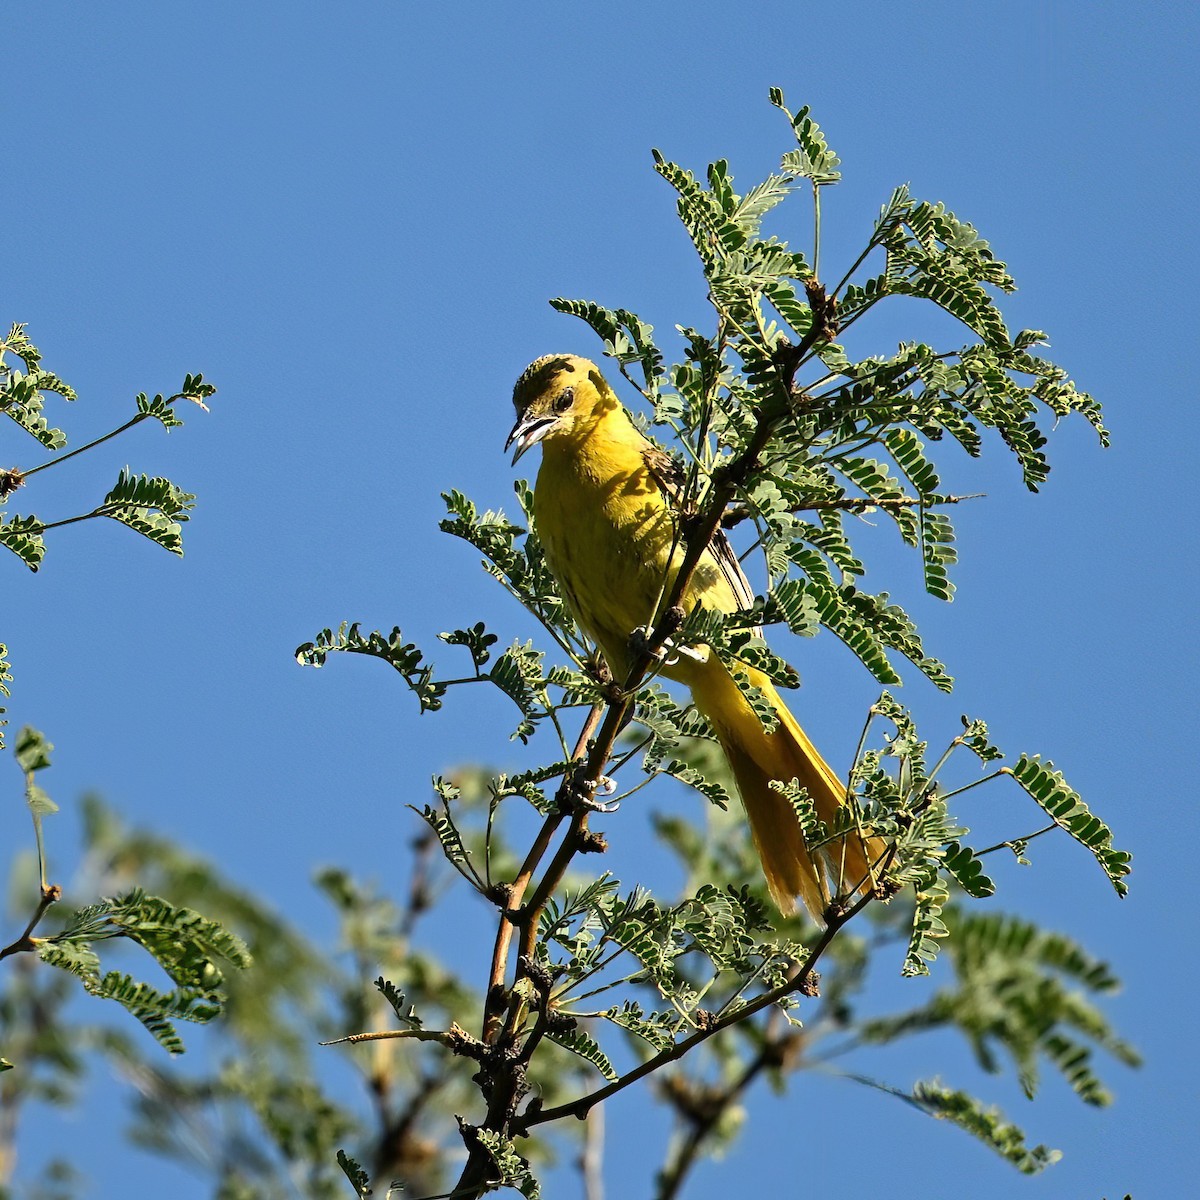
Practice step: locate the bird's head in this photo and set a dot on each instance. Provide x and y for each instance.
(558, 396)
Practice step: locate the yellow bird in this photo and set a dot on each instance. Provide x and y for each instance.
(606, 516)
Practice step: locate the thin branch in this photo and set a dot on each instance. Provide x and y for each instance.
(62, 458)
(455, 1039)
(856, 504)
(816, 266)
(51, 894)
(419, 886)
(795, 981)
(976, 783)
(1012, 843)
(591, 1157)
(103, 510)
(493, 1011)
(635, 750)
(873, 244)
(771, 1054)
(395, 1139)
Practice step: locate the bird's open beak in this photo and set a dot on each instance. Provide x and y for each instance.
(528, 431)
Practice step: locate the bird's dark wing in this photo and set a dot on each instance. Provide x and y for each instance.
(671, 476)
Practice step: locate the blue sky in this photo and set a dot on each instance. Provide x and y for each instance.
(350, 220)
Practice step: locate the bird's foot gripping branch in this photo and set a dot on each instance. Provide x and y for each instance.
(775, 433)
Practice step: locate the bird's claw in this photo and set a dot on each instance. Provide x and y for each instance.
(639, 643)
(599, 806)
(668, 653)
(604, 786)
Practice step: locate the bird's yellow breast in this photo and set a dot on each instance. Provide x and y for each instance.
(610, 536)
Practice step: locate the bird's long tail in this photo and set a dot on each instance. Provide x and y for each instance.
(757, 757)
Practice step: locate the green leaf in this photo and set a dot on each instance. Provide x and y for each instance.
(787, 302)
(524, 783)
(32, 750)
(965, 867)
(154, 507)
(40, 804)
(906, 449)
(1064, 806)
(749, 210)
(975, 736)
(840, 619)
(764, 710)
(404, 657)
(518, 674)
(21, 399)
(1073, 1060)
(709, 788)
(158, 408)
(937, 552)
(23, 536)
(360, 1181)
(142, 491)
(805, 809)
(522, 571)
(154, 1009)
(791, 601)
(17, 342)
(927, 929)
(627, 338)
(579, 1043)
(713, 231)
(935, 256)
(476, 639)
(657, 1029)
(77, 958)
(813, 160)
(512, 1168)
(986, 1124)
(182, 941)
(196, 390)
(395, 997)
(980, 936)
(447, 832)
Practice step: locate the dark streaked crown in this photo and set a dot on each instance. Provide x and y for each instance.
(537, 377)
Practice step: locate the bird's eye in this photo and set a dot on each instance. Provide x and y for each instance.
(564, 400)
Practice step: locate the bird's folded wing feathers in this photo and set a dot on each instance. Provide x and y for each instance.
(670, 475)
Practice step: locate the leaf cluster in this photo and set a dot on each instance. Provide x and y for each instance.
(187, 946)
(261, 1114)
(153, 507)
